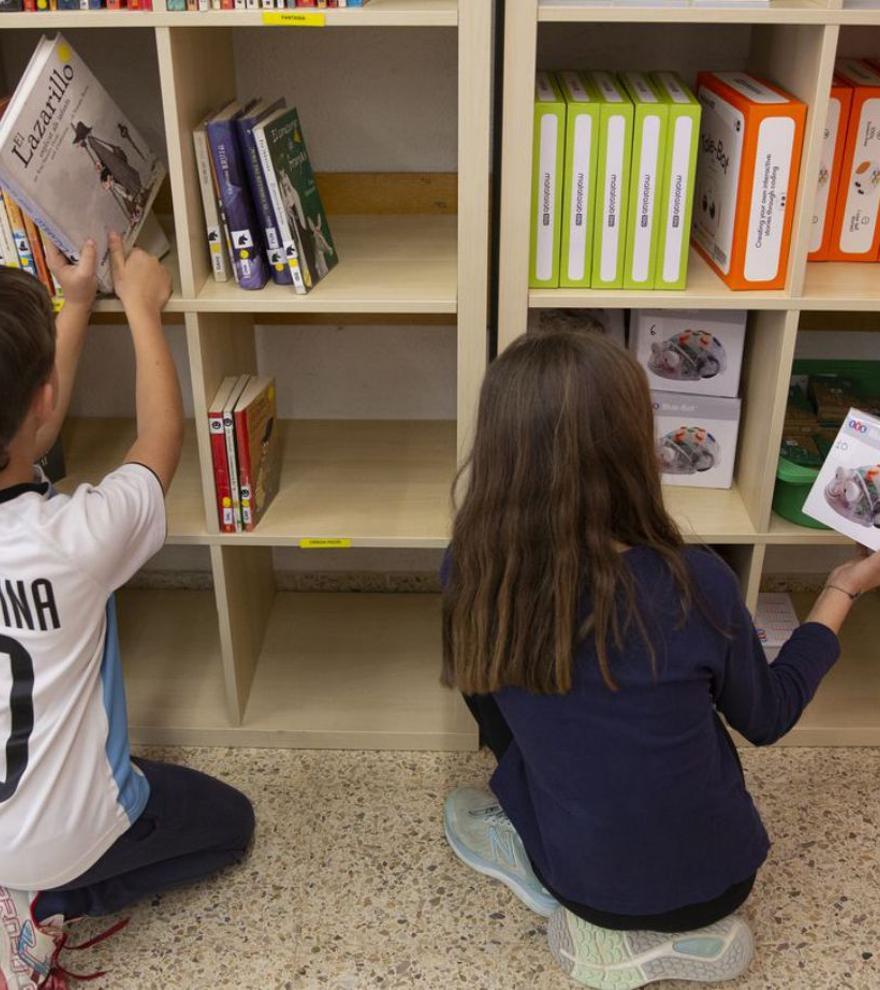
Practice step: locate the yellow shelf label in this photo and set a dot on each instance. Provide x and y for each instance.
(324, 543)
(293, 18)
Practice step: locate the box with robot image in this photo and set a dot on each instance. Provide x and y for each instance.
(696, 439)
(548, 162)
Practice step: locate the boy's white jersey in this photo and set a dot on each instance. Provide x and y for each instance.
(68, 788)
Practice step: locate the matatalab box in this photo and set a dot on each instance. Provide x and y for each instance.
(846, 495)
(748, 161)
(548, 153)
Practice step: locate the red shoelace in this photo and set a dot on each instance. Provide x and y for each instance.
(58, 975)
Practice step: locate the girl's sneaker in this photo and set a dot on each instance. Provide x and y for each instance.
(611, 960)
(482, 836)
(27, 950)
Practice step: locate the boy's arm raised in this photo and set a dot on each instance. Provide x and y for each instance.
(143, 286)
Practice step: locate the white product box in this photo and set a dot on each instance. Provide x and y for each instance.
(775, 620)
(846, 495)
(695, 351)
(696, 438)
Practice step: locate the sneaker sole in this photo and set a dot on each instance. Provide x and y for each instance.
(600, 961)
(543, 906)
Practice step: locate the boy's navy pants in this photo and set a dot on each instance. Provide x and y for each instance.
(191, 827)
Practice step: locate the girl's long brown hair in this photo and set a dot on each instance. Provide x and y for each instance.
(562, 476)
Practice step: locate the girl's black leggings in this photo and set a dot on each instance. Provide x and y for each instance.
(495, 733)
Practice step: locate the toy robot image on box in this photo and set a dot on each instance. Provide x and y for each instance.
(687, 450)
(867, 178)
(709, 205)
(855, 494)
(688, 356)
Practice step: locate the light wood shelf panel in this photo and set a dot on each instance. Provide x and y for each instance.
(710, 515)
(377, 483)
(378, 13)
(354, 672)
(782, 531)
(94, 447)
(845, 709)
(173, 676)
(388, 264)
(778, 12)
(853, 286)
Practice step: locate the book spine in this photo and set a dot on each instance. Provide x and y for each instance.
(217, 432)
(243, 450)
(22, 244)
(227, 4)
(204, 5)
(288, 245)
(42, 268)
(115, 4)
(253, 4)
(7, 241)
(175, 5)
(247, 256)
(278, 267)
(232, 468)
(240, 5)
(213, 227)
(57, 291)
(30, 6)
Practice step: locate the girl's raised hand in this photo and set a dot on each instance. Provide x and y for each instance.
(858, 575)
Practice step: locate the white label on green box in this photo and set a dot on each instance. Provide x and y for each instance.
(643, 222)
(615, 188)
(578, 220)
(546, 228)
(680, 181)
(769, 193)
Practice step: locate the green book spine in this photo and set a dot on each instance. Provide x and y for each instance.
(548, 152)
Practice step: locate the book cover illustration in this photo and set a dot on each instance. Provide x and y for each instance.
(72, 159)
(299, 195)
(258, 449)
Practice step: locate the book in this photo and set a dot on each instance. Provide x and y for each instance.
(247, 252)
(219, 458)
(42, 268)
(72, 159)
(278, 268)
(231, 455)
(295, 196)
(207, 186)
(22, 244)
(7, 241)
(548, 158)
(10, 6)
(258, 449)
(775, 622)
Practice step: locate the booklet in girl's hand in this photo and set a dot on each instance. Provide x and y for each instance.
(846, 495)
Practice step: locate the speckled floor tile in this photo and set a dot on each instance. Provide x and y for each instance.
(351, 887)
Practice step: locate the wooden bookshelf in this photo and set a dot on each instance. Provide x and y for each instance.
(794, 42)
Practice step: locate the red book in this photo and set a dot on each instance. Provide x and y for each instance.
(30, 6)
(257, 448)
(40, 263)
(217, 434)
(116, 4)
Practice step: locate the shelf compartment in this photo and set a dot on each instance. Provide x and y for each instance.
(378, 13)
(379, 483)
(170, 646)
(705, 290)
(94, 447)
(778, 12)
(176, 304)
(783, 531)
(341, 671)
(387, 264)
(844, 711)
(842, 285)
(710, 515)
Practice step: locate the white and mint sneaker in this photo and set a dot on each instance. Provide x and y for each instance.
(482, 836)
(611, 960)
(27, 951)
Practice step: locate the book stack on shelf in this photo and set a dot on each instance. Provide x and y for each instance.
(245, 450)
(263, 212)
(72, 167)
(847, 208)
(204, 5)
(47, 6)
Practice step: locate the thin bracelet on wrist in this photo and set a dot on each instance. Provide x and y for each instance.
(851, 595)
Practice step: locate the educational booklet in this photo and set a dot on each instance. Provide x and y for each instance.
(258, 449)
(219, 459)
(231, 455)
(217, 247)
(72, 159)
(295, 197)
(248, 259)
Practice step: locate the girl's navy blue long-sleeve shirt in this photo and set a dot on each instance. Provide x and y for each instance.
(633, 801)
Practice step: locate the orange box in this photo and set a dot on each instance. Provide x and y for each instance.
(751, 137)
(833, 147)
(856, 232)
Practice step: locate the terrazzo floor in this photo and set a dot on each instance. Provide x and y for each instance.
(351, 886)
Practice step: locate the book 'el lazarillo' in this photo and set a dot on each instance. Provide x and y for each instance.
(71, 158)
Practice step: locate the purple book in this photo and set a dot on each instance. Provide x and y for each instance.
(244, 231)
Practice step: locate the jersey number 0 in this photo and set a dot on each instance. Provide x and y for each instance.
(21, 707)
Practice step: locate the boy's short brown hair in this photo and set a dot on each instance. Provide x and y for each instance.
(27, 349)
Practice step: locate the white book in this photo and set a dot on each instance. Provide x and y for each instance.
(72, 159)
(288, 243)
(7, 241)
(229, 430)
(213, 223)
(253, 4)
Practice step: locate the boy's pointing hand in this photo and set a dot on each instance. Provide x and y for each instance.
(77, 281)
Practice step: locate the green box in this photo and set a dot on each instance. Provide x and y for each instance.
(582, 111)
(650, 117)
(612, 181)
(548, 153)
(679, 179)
